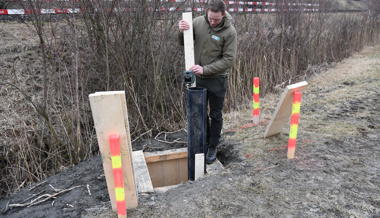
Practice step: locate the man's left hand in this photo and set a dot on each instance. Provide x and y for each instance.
(197, 69)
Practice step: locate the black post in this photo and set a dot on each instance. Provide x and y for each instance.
(196, 126)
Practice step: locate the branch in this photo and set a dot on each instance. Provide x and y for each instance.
(35, 202)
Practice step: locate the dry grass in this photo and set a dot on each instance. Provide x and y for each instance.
(47, 77)
(329, 93)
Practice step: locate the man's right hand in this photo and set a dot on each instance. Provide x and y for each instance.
(183, 25)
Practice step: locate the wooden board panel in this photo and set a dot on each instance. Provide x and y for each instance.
(109, 118)
(167, 167)
(284, 109)
(165, 155)
(143, 181)
(189, 42)
(169, 172)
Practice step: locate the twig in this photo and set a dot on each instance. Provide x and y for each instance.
(35, 202)
(22, 184)
(37, 185)
(262, 169)
(6, 208)
(167, 133)
(149, 131)
(55, 189)
(88, 189)
(175, 141)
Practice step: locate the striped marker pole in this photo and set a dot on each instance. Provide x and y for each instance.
(256, 100)
(118, 176)
(294, 124)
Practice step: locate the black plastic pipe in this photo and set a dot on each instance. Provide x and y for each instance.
(196, 126)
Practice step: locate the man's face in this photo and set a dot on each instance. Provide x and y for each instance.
(215, 18)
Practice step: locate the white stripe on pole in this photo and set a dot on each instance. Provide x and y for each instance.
(16, 11)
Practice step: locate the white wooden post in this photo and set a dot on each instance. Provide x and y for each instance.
(199, 165)
(189, 42)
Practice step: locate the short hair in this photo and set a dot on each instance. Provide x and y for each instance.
(216, 6)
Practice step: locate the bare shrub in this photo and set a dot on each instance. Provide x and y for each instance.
(136, 50)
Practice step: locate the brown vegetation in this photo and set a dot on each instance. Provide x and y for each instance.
(45, 115)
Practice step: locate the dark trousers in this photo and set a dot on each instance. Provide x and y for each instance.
(214, 119)
(216, 91)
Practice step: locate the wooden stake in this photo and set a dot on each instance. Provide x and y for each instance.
(294, 124)
(199, 165)
(256, 101)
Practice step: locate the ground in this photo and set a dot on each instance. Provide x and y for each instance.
(336, 172)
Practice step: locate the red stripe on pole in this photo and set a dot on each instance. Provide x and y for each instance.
(3, 11)
(114, 145)
(121, 208)
(297, 97)
(61, 11)
(295, 118)
(118, 178)
(256, 112)
(292, 143)
(256, 97)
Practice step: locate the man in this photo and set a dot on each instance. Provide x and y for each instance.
(215, 44)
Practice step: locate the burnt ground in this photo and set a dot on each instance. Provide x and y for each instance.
(336, 172)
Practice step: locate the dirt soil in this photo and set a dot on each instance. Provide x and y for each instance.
(336, 172)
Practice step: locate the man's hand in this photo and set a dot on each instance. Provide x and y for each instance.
(197, 69)
(183, 25)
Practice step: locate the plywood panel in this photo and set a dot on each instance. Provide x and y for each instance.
(165, 155)
(167, 167)
(284, 109)
(109, 118)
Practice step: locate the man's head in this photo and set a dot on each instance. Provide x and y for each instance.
(215, 12)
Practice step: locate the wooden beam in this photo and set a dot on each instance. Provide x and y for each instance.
(189, 42)
(171, 154)
(110, 117)
(284, 109)
(143, 181)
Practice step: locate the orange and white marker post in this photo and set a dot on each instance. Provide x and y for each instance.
(118, 176)
(294, 124)
(256, 100)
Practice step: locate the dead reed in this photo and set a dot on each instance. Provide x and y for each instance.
(50, 127)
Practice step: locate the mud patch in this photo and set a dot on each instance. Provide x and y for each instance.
(229, 151)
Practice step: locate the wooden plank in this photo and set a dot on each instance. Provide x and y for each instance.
(155, 172)
(189, 42)
(182, 173)
(199, 165)
(109, 118)
(143, 181)
(165, 155)
(129, 179)
(284, 109)
(167, 167)
(168, 172)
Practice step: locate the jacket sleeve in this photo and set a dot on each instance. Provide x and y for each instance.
(227, 59)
